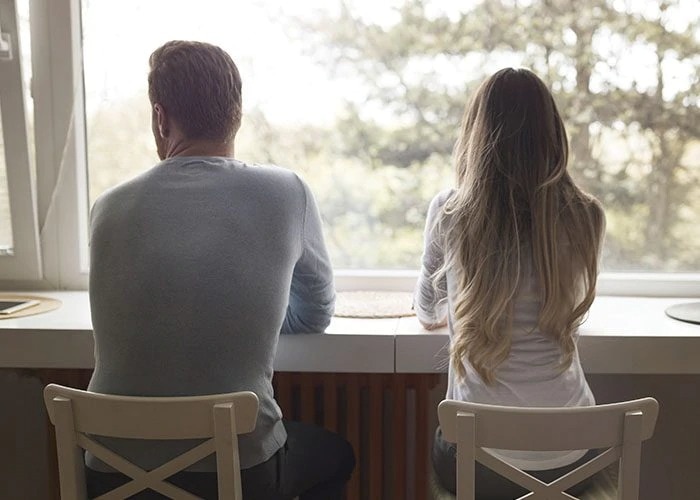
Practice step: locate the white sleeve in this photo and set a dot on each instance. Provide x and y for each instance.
(429, 299)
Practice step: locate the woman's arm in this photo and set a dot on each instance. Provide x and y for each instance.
(430, 297)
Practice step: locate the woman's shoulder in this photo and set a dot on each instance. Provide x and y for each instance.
(587, 215)
(596, 213)
(437, 204)
(587, 203)
(440, 199)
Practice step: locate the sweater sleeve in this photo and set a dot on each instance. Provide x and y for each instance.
(312, 293)
(430, 298)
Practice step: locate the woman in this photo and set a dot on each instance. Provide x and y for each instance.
(510, 265)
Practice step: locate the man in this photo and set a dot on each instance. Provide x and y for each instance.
(196, 267)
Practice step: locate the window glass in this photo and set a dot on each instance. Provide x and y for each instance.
(364, 98)
(26, 63)
(6, 233)
(5, 216)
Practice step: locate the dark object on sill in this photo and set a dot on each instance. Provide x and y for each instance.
(36, 305)
(688, 312)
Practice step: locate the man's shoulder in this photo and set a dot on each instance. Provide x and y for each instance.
(274, 172)
(272, 178)
(255, 179)
(115, 195)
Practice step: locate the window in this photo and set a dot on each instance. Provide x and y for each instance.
(19, 245)
(373, 214)
(6, 242)
(364, 99)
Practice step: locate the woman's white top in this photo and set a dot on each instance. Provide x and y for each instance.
(530, 376)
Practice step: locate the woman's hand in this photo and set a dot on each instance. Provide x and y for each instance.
(433, 326)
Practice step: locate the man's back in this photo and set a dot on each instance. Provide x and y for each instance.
(191, 271)
(196, 267)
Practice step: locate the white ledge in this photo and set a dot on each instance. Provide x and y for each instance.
(621, 335)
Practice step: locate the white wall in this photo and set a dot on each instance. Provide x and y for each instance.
(671, 459)
(23, 434)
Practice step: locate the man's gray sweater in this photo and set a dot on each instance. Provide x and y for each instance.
(196, 267)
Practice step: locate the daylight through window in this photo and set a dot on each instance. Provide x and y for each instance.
(364, 99)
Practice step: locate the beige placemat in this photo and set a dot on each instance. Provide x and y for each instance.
(373, 304)
(46, 304)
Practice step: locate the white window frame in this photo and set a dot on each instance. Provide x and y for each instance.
(24, 263)
(62, 188)
(59, 106)
(609, 283)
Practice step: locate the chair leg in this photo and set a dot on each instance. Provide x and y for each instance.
(628, 482)
(71, 468)
(466, 430)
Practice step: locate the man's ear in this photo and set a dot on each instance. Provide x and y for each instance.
(162, 121)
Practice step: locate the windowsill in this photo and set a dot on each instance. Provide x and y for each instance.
(617, 284)
(621, 335)
(627, 284)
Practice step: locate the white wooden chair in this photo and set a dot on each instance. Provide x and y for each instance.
(79, 414)
(619, 427)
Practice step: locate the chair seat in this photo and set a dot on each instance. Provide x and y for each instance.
(603, 486)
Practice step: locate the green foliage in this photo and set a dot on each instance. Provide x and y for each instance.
(120, 145)
(634, 131)
(373, 217)
(408, 71)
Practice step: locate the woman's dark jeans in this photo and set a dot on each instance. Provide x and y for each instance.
(490, 485)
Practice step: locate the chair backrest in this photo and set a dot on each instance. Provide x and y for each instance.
(619, 427)
(218, 418)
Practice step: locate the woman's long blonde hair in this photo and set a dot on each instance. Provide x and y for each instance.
(514, 193)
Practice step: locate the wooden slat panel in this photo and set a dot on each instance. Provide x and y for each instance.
(422, 400)
(376, 425)
(353, 431)
(283, 393)
(308, 413)
(398, 419)
(330, 402)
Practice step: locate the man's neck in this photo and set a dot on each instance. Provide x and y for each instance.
(199, 148)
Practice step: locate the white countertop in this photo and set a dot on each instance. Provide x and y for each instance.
(63, 339)
(621, 335)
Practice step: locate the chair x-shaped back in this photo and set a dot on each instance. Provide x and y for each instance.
(218, 419)
(619, 427)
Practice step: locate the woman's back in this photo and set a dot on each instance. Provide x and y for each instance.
(513, 250)
(531, 374)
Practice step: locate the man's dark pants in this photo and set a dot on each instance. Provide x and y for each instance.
(314, 464)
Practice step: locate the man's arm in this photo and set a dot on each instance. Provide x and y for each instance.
(312, 294)
(430, 298)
